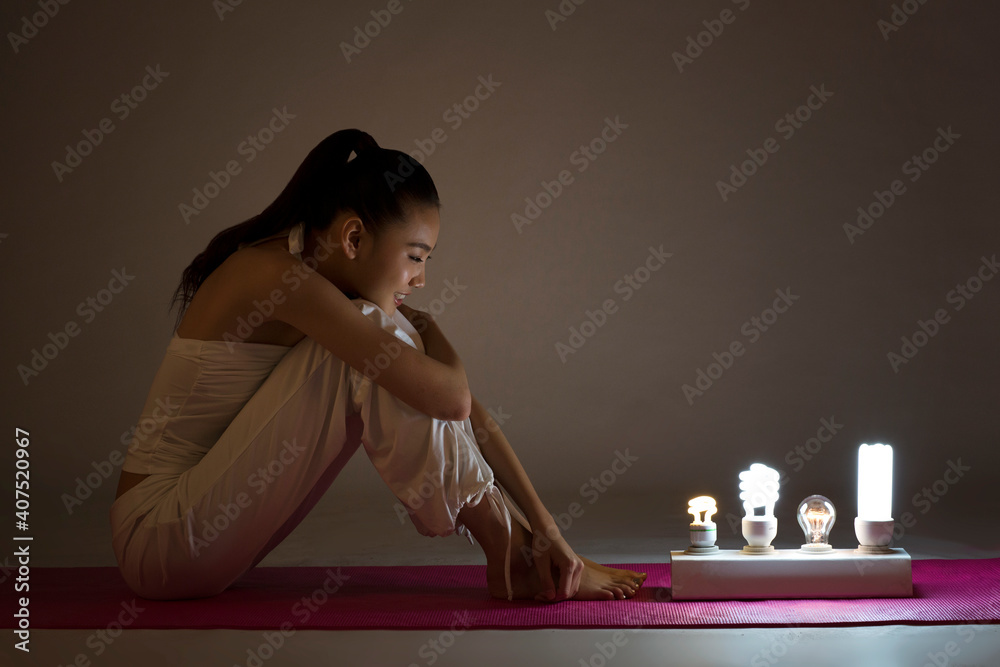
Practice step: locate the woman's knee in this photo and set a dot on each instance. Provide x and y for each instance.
(395, 324)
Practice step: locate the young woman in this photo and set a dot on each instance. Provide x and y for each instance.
(293, 349)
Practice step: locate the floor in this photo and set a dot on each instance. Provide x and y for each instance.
(616, 529)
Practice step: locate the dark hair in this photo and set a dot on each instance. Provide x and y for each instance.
(379, 184)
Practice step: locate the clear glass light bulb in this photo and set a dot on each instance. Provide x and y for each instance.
(816, 516)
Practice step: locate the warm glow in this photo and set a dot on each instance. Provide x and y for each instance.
(701, 504)
(875, 482)
(816, 517)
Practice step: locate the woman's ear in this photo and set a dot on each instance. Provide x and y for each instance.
(353, 230)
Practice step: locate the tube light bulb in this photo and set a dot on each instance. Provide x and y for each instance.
(875, 482)
(874, 525)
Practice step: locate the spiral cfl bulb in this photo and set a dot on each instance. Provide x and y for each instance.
(759, 488)
(699, 505)
(703, 530)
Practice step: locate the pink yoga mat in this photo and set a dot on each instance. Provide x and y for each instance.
(443, 597)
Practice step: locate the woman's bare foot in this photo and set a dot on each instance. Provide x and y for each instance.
(597, 582)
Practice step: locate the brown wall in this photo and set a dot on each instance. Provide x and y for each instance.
(886, 98)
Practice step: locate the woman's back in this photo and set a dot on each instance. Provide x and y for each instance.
(224, 309)
(211, 338)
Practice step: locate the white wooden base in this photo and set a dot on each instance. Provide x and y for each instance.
(789, 573)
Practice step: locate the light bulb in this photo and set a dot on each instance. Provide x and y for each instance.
(703, 531)
(874, 525)
(816, 516)
(875, 482)
(759, 488)
(701, 504)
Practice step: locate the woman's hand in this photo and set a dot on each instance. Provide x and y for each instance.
(418, 318)
(550, 551)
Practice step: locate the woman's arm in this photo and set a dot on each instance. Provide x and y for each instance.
(548, 546)
(435, 385)
(549, 549)
(507, 468)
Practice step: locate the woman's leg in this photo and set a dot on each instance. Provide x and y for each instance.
(193, 534)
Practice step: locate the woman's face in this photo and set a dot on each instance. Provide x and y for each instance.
(394, 265)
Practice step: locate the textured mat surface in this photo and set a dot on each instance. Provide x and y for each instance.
(455, 597)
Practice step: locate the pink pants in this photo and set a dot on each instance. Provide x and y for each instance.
(192, 534)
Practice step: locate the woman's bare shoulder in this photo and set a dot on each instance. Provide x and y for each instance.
(243, 291)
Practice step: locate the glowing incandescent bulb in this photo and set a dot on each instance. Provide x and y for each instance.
(874, 524)
(816, 516)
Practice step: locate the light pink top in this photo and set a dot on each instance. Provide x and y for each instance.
(199, 389)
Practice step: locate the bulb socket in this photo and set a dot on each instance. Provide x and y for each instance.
(873, 536)
(703, 534)
(758, 531)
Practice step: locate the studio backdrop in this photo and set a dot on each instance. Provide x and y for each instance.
(677, 238)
